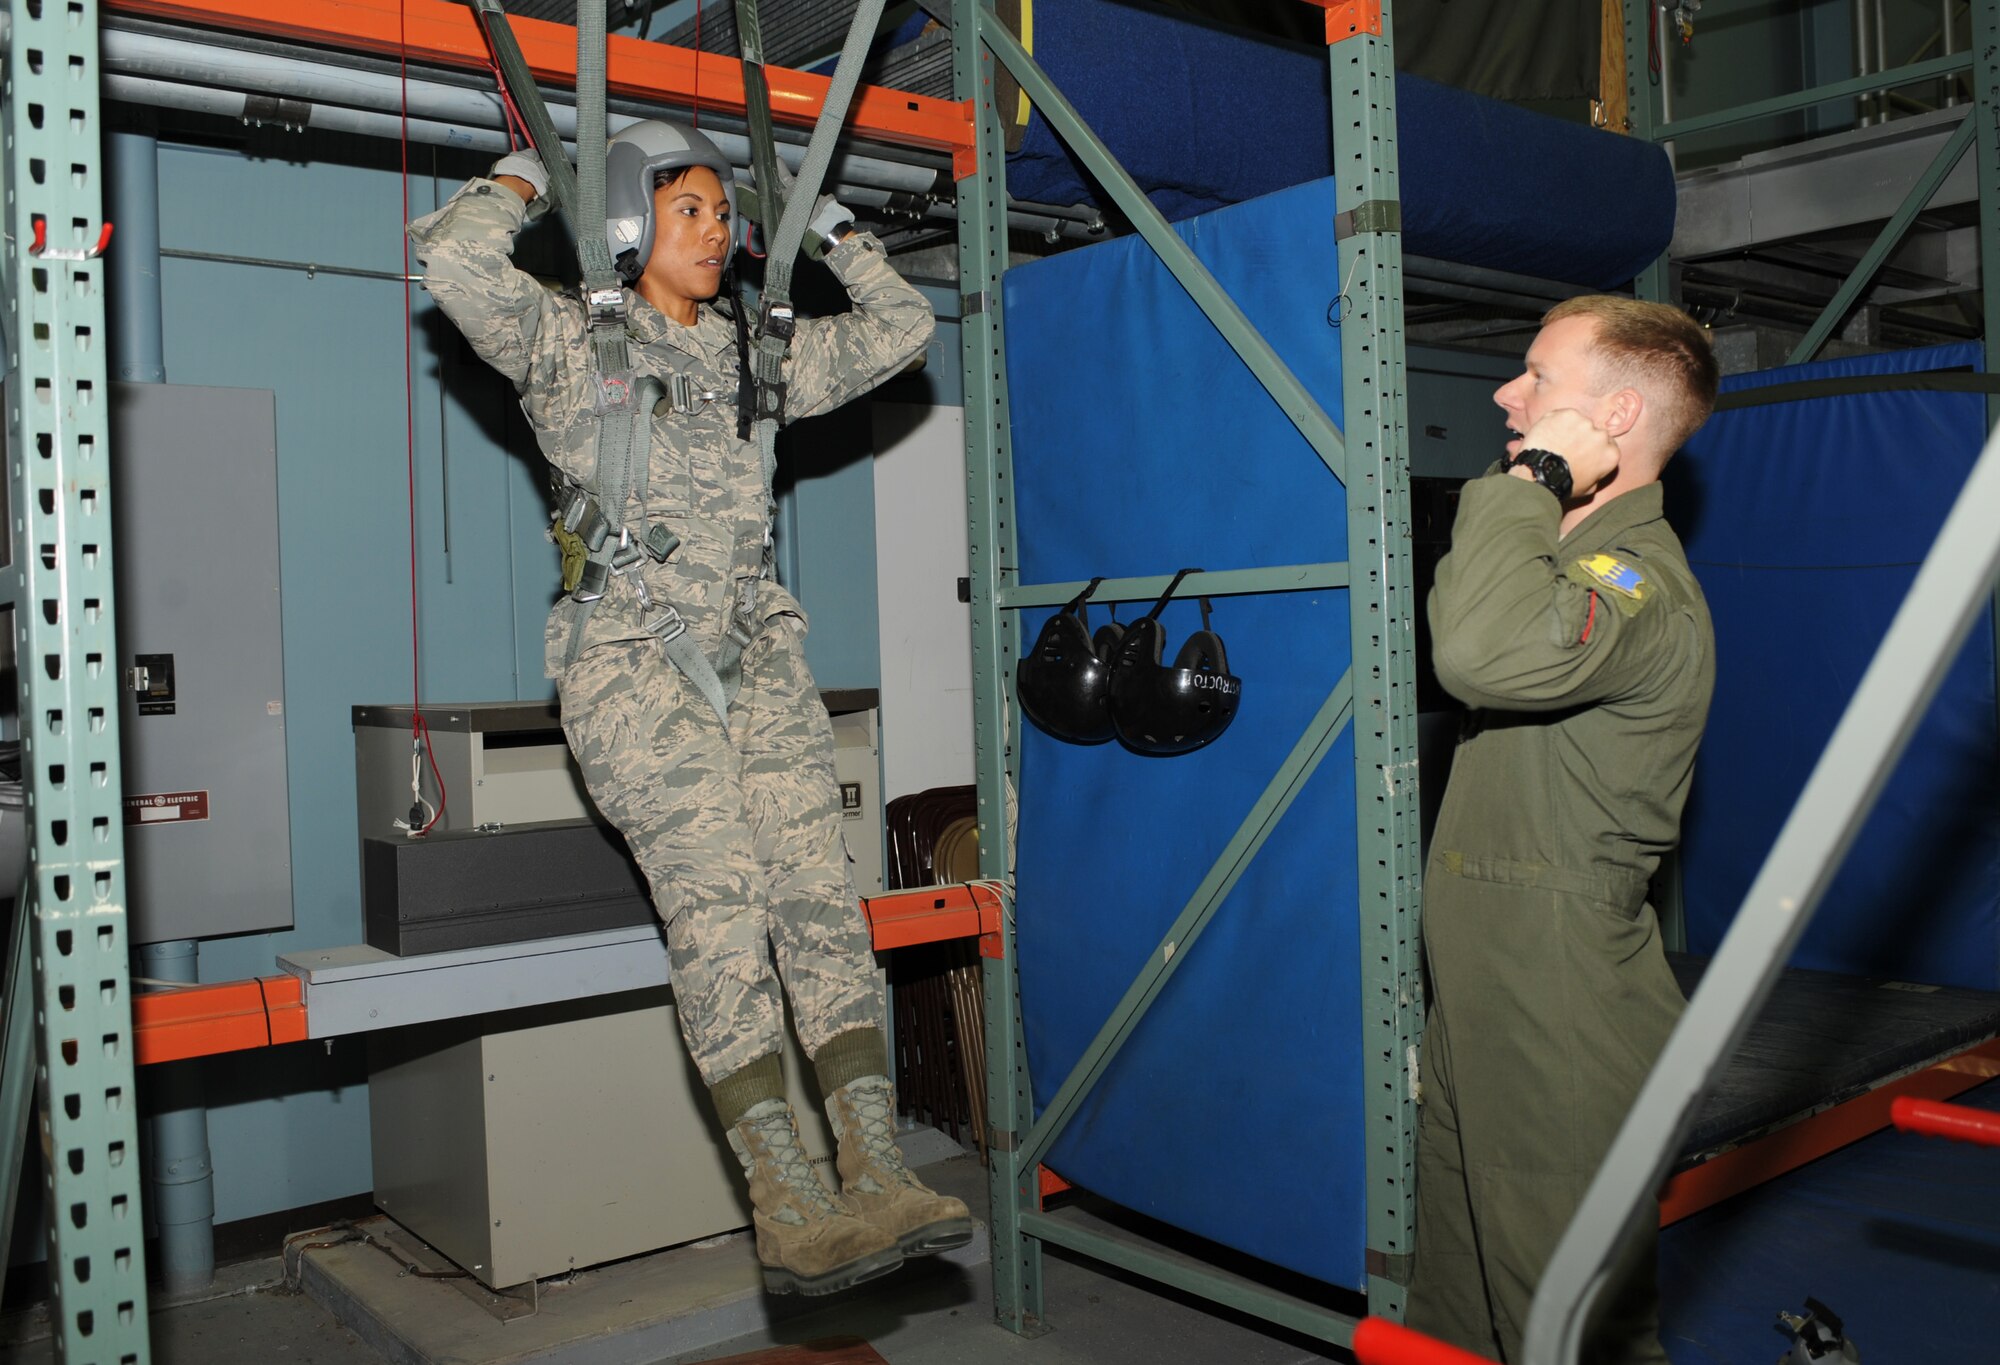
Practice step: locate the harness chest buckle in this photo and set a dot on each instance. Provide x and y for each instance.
(776, 319)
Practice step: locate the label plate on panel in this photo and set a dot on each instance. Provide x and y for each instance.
(166, 808)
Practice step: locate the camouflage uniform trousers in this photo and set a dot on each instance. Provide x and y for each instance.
(739, 835)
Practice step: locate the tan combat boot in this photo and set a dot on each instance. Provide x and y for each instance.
(809, 1241)
(875, 1182)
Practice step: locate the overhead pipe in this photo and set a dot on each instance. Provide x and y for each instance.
(298, 114)
(175, 59)
(257, 84)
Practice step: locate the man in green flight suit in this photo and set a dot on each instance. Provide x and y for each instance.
(1566, 618)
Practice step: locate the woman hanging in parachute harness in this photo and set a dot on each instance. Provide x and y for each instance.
(735, 822)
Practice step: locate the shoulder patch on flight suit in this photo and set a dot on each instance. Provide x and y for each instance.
(1620, 582)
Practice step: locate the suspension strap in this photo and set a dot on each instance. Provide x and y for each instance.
(520, 83)
(776, 323)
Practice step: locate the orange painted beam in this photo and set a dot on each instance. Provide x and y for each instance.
(932, 914)
(444, 34)
(1809, 1139)
(228, 1016)
(1350, 18)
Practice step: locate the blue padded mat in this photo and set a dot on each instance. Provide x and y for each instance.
(1141, 446)
(1805, 521)
(1899, 1235)
(1202, 116)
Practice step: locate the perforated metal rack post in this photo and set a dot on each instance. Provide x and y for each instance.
(1986, 147)
(1377, 695)
(64, 643)
(982, 260)
(1381, 619)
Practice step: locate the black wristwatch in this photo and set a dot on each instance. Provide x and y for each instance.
(1551, 471)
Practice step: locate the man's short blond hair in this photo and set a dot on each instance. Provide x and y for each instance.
(1655, 348)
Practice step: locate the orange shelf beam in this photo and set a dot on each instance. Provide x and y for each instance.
(1809, 1139)
(932, 914)
(228, 1016)
(436, 32)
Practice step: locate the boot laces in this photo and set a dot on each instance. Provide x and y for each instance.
(788, 1163)
(873, 1104)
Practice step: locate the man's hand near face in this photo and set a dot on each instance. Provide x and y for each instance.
(1590, 451)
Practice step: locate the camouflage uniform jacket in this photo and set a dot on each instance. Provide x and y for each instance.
(704, 483)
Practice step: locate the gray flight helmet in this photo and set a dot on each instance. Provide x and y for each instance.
(634, 160)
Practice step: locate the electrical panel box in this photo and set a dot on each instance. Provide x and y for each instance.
(194, 478)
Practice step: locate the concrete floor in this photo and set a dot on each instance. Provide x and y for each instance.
(930, 1313)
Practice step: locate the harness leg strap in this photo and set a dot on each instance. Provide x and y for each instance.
(686, 655)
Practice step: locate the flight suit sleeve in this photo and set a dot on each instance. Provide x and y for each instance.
(1515, 628)
(517, 326)
(838, 358)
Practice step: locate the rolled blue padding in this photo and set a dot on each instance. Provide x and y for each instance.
(1202, 116)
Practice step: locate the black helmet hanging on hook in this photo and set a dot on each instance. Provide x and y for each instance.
(1064, 681)
(1162, 709)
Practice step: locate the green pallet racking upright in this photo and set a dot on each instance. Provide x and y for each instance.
(72, 921)
(1377, 696)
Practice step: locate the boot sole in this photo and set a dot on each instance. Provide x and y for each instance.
(778, 1280)
(947, 1234)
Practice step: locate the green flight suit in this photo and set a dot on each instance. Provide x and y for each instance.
(1588, 661)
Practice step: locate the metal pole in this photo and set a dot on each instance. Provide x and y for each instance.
(179, 1176)
(138, 348)
(1911, 74)
(1954, 586)
(1663, 27)
(181, 1190)
(1882, 102)
(1985, 45)
(1643, 114)
(1884, 245)
(59, 456)
(1382, 610)
(1864, 55)
(982, 260)
(1949, 39)
(17, 1064)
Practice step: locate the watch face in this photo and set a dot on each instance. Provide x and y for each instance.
(1552, 472)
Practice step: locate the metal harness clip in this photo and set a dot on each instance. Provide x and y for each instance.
(668, 625)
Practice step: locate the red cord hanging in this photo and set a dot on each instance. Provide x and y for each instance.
(420, 733)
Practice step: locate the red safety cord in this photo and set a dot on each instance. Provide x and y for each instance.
(1945, 1120)
(1378, 1341)
(420, 733)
